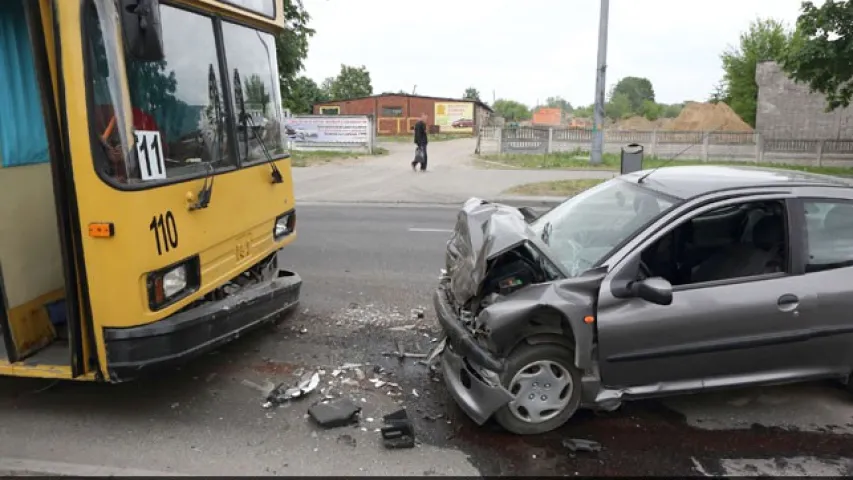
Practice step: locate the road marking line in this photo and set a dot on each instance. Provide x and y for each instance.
(434, 230)
(19, 466)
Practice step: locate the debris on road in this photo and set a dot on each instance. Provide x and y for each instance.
(348, 440)
(581, 445)
(398, 431)
(307, 384)
(337, 413)
(402, 354)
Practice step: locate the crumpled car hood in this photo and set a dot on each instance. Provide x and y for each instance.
(483, 231)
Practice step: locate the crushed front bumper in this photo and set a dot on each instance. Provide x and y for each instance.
(131, 351)
(470, 371)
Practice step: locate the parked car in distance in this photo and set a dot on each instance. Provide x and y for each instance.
(463, 123)
(677, 280)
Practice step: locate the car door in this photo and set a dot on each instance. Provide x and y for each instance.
(828, 260)
(714, 333)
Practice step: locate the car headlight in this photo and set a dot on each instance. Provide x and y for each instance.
(170, 284)
(284, 225)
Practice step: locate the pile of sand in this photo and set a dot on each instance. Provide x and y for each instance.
(703, 117)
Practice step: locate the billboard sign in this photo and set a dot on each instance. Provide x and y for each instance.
(454, 117)
(333, 129)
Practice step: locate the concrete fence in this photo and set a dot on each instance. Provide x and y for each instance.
(705, 146)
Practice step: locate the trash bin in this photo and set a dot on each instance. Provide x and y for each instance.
(632, 158)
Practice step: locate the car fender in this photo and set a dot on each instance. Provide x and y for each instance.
(544, 313)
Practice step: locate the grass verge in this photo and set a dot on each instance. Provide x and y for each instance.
(555, 188)
(579, 160)
(311, 158)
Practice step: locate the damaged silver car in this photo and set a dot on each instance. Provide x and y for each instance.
(670, 281)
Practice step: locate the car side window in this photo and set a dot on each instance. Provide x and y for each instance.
(829, 234)
(735, 241)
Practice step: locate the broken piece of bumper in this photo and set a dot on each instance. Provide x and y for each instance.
(470, 370)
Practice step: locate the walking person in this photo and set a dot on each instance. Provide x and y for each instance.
(421, 142)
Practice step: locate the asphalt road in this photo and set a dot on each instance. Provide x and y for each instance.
(364, 270)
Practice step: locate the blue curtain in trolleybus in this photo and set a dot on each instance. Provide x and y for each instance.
(23, 140)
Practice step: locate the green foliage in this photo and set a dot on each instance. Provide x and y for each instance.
(471, 93)
(292, 45)
(637, 90)
(351, 82)
(720, 93)
(511, 110)
(304, 94)
(821, 52)
(651, 110)
(584, 112)
(559, 102)
(766, 39)
(619, 106)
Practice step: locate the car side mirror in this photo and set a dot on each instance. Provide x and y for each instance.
(529, 214)
(143, 31)
(655, 290)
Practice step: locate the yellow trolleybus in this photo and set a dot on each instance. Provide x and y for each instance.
(145, 187)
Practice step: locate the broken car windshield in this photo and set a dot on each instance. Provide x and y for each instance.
(583, 229)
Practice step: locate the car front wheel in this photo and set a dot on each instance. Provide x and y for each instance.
(546, 386)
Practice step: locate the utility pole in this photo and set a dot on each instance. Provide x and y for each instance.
(601, 68)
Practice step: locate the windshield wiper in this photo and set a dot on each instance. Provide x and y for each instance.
(250, 124)
(203, 195)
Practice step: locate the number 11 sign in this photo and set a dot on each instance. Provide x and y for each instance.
(149, 150)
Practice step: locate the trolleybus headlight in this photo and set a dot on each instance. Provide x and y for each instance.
(174, 281)
(170, 284)
(284, 225)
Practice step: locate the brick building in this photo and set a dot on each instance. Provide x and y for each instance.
(396, 114)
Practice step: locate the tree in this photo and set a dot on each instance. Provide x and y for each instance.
(764, 40)
(303, 95)
(326, 86)
(471, 93)
(672, 110)
(511, 110)
(584, 112)
(619, 106)
(720, 93)
(351, 82)
(820, 51)
(651, 110)
(292, 45)
(559, 102)
(637, 90)
(256, 92)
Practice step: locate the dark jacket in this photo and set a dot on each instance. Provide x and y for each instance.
(420, 133)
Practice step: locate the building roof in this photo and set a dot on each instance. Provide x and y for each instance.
(691, 181)
(442, 99)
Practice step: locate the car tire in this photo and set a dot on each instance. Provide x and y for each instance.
(554, 405)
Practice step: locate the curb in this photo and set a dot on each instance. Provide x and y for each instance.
(26, 467)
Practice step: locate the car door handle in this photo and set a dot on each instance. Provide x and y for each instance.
(788, 302)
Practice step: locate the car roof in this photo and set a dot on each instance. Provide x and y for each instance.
(690, 181)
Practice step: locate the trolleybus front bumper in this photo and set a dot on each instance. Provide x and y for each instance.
(131, 351)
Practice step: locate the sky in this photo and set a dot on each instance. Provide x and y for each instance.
(530, 50)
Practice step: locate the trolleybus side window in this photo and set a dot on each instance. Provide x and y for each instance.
(253, 71)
